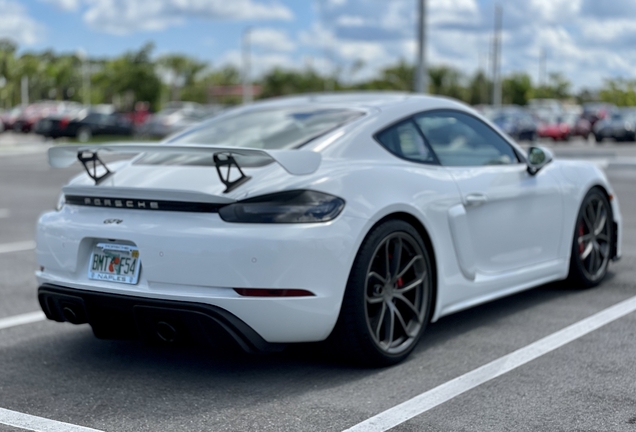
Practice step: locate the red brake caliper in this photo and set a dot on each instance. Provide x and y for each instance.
(399, 282)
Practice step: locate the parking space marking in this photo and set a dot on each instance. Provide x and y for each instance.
(38, 424)
(451, 389)
(18, 320)
(17, 247)
(4, 213)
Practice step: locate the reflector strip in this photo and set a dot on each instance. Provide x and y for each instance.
(262, 292)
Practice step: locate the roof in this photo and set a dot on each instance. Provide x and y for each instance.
(358, 99)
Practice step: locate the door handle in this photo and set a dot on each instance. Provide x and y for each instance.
(474, 200)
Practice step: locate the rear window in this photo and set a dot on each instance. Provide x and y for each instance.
(279, 128)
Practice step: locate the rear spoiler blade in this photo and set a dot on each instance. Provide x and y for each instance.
(295, 162)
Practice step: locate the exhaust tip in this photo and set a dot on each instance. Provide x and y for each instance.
(70, 315)
(166, 332)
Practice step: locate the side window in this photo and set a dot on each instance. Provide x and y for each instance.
(405, 140)
(92, 118)
(462, 140)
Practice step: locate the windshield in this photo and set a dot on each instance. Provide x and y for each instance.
(272, 128)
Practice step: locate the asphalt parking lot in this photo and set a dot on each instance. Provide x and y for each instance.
(61, 373)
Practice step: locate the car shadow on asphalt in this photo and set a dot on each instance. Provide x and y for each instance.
(485, 315)
(309, 355)
(68, 360)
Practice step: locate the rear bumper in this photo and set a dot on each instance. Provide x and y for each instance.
(126, 317)
(198, 258)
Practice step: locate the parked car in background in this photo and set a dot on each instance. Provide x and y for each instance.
(35, 112)
(516, 122)
(579, 126)
(595, 111)
(174, 118)
(8, 118)
(563, 127)
(83, 128)
(548, 106)
(620, 126)
(554, 127)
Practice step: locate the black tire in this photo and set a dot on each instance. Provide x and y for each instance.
(591, 248)
(84, 134)
(598, 138)
(398, 327)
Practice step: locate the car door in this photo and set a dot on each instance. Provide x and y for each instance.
(509, 220)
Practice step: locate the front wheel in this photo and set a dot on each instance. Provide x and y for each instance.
(592, 243)
(387, 301)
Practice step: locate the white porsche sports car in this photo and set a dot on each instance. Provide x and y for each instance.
(357, 218)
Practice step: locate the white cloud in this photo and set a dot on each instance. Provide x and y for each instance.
(555, 11)
(16, 24)
(129, 16)
(272, 40)
(68, 5)
(350, 21)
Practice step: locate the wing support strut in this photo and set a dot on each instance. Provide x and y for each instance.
(222, 160)
(92, 163)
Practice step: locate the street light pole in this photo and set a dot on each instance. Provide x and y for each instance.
(496, 59)
(421, 71)
(247, 85)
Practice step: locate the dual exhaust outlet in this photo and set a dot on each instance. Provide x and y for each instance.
(164, 330)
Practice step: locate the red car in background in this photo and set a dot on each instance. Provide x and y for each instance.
(563, 127)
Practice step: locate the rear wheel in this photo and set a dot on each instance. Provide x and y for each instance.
(591, 246)
(387, 301)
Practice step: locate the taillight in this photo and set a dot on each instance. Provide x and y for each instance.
(297, 206)
(64, 122)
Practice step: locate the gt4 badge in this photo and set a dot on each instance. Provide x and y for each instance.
(113, 221)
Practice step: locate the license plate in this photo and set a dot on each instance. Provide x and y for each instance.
(114, 263)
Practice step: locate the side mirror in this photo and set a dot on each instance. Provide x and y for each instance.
(538, 157)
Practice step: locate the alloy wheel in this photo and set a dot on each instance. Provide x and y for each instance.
(396, 293)
(593, 238)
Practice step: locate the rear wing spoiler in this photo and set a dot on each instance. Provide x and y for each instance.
(295, 162)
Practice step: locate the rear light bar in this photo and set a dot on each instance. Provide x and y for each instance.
(262, 292)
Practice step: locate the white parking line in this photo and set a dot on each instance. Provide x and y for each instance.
(17, 247)
(18, 320)
(4, 213)
(437, 396)
(27, 421)
(38, 424)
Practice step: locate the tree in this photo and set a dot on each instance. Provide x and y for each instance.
(517, 89)
(200, 89)
(558, 87)
(479, 89)
(279, 82)
(128, 79)
(181, 71)
(8, 72)
(447, 81)
(620, 92)
(399, 77)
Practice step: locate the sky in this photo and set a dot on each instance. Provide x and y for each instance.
(585, 40)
